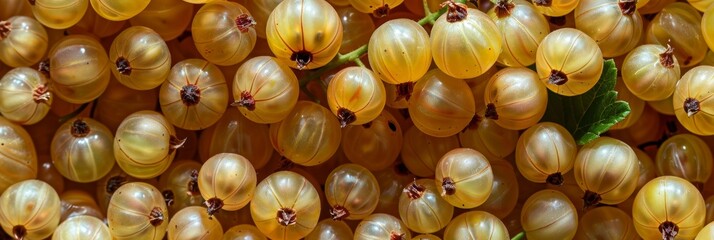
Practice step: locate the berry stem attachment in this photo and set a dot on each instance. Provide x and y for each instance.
(156, 217)
(414, 190)
(628, 7)
(244, 22)
(44, 67)
(345, 116)
(80, 128)
(246, 100)
(449, 186)
(5, 27)
(555, 179)
(669, 230)
(382, 11)
(691, 106)
(123, 66)
(359, 62)
(557, 77)
(591, 199)
(339, 212)
(41, 94)
(176, 142)
(302, 58)
(397, 236)
(558, 21)
(545, 3)
(193, 184)
(667, 57)
(19, 232)
(473, 124)
(190, 95)
(503, 8)
(456, 11)
(285, 164)
(213, 205)
(287, 216)
(168, 197)
(491, 111)
(114, 183)
(404, 90)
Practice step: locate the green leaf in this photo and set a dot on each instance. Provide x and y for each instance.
(592, 113)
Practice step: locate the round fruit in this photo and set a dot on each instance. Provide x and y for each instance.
(306, 41)
(569, 62)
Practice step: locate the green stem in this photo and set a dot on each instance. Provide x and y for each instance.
(339, 60)
(431, 18)
(359, 62)
(519, 236)
(427, 11)
(74, 114)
